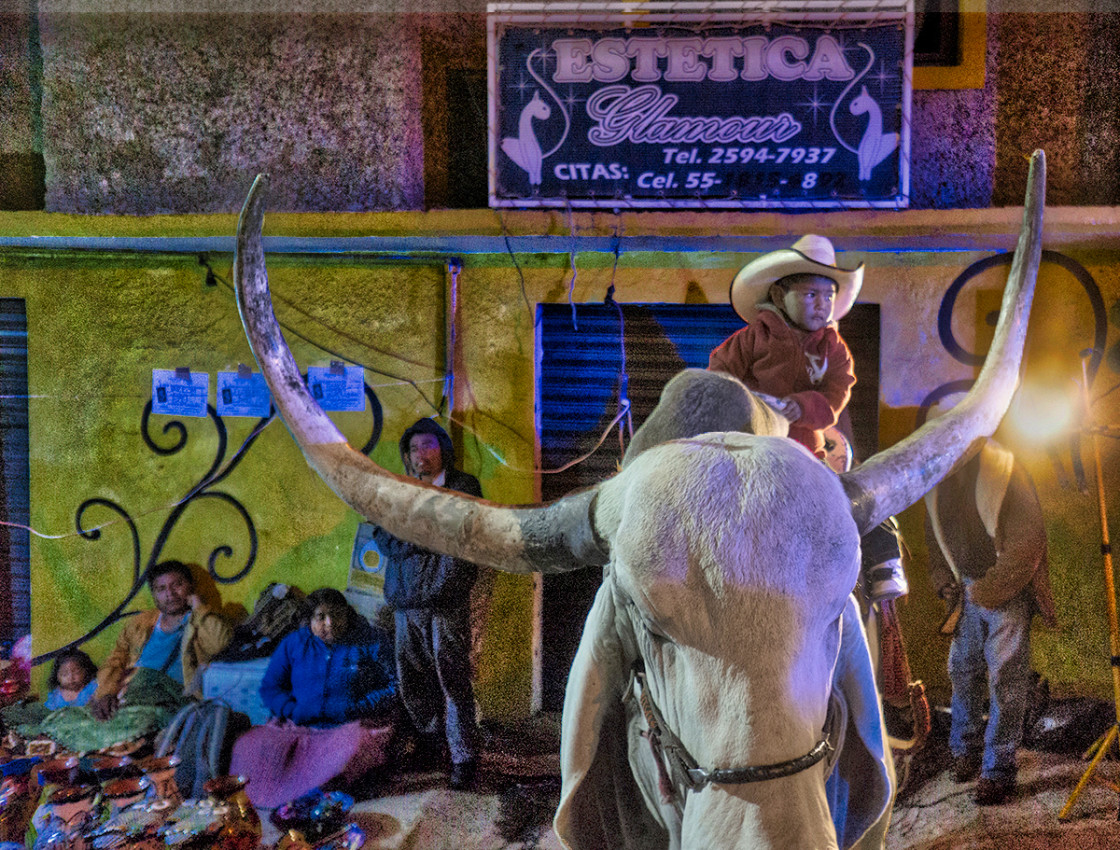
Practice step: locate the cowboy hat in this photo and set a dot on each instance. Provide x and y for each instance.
(810, 254)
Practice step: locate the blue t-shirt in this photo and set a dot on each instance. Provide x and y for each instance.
(163, 650)
(56, 700)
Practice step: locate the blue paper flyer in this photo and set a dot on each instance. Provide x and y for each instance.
(179, 392)
(337, 387)
(243, 394)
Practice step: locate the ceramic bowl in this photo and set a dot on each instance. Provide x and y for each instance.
(314, 815)
(124, 748)
(68, 794)
(154, 764)
(106, 768)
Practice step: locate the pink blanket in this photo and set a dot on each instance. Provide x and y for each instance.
(284, 761)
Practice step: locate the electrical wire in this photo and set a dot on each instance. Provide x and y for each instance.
(572, 263)
(336, 354)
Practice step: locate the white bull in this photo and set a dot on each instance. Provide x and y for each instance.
(697, 710)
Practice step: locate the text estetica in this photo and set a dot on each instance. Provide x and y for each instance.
(692, 59)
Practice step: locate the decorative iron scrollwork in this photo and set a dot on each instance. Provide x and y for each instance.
(962, 355)
(205, 488)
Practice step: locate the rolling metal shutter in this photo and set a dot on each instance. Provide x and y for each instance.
(582, 373)
(15, 576)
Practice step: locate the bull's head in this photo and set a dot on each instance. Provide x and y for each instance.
(730, 557)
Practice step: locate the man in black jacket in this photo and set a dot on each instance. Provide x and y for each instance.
(430, 598)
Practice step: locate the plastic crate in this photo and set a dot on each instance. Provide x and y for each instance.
(239, 684)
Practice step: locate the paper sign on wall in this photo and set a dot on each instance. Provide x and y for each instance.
(180, 392)
(243, 393)
(337, 387)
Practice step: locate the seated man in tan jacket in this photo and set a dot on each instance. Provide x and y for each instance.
(178, 637)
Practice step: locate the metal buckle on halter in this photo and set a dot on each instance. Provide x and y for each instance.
(698, 778)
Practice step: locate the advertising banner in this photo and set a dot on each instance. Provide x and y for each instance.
(717, 111)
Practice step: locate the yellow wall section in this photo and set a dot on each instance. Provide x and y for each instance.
(969, 72)
(98, 324)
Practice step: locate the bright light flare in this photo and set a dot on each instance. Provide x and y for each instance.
(1043, 412)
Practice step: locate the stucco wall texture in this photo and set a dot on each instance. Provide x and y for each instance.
(946, 124)
(329, 104)
(173, 111)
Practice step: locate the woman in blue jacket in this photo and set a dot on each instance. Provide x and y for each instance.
(332, 691)
(335, 669)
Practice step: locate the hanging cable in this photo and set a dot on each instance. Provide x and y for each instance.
(335, 354)
(623, 413)
(218, 475)
(451, 307)
(516, 265)
(572, 263)
(624, 434)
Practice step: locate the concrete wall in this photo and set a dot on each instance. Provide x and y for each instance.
(21, 150)
(329, 104)
(346, 105)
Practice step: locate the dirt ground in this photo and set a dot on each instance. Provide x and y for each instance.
(512, 806)
(941, 815)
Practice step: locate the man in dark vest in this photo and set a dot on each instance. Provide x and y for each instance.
(988, 558)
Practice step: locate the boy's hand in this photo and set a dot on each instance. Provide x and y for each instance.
(787, 407)
(771, 400)
(790, 409)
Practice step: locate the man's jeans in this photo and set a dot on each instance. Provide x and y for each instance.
(997, 643)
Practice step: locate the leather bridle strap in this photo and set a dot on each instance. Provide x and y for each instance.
(684, 766)
(762, 772)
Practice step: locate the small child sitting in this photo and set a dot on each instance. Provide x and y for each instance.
(791, 353)
(72, 681)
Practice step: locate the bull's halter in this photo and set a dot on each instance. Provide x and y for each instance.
(676, 768)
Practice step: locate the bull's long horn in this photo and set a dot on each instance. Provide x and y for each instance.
(894, 479)
(549, 538)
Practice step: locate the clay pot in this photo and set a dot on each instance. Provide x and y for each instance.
(107, 768)
(122, 793)
(64, 817)
(58, 771)
(160, 771)
(241, 826)
(17, 800)
(124, 748)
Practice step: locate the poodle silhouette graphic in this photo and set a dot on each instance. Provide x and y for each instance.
(875, 146)
(525, 150)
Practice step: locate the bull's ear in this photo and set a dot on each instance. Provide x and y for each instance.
(600, 803)
(550, 538)
(862, 761)
(894, 479)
